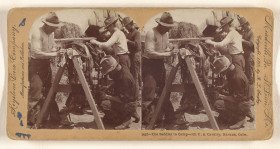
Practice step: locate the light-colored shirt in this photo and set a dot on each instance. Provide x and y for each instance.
(232, 42)
(155, 42)
(117, 41)
(41, 42)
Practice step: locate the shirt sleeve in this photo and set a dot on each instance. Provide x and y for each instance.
(225, 41)
(114, 38)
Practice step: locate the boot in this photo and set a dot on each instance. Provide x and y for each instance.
(238, 125)
(136, 116)
(250, 116)
(124, 125)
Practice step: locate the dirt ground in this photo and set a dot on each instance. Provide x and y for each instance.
(201, 120)
(86, 120)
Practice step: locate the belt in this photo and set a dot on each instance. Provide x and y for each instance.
(39, 60)
(238, 53)
(123, 54)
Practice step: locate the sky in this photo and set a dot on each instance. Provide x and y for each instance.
(81, 17)
(195, 16)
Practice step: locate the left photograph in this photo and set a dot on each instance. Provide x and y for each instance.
(84, 71)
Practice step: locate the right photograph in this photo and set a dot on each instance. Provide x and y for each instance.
(198, 71)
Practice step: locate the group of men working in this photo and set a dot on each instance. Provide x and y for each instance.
(123, 67)
(236, 63)
(126, 59)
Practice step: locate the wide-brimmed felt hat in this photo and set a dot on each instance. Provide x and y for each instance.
(221, 63)
(166, 20)
(109, 21)
(209, 31)
(224, 21)
(126, 21)
(242, 21)
(103, 30)
(52, 20)
(108, 64)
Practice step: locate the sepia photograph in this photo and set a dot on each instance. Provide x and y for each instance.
(84, 71)
(162, 74)
(206, 58)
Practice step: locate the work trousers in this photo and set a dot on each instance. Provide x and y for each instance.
(238, 59)
(154, 75)
(135, 70)
(124, 60)
(231, 112)
(40, 77)
(249, 66)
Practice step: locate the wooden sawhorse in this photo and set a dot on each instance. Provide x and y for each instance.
(165, 95)
(54, 89)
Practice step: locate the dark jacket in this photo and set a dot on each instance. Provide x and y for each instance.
(238, 84)
(134, 45)
(248, 36)
(124, 85)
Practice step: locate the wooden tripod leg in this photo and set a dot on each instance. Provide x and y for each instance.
(201, 94)
(89, 97)
(51, 92)
(164, 94)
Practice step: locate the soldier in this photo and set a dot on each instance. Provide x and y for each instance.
(117, 42)
(134, 47)
(121, 106)
(154, 73)
(40, 73)
(232, 42)
(234, 107)
(248, 44)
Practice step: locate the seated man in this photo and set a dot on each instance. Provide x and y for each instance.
(121, 106)
(234, 107)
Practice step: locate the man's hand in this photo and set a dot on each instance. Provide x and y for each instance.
(61, 51)
(129, 41)
(93, 41)
(185, 52)
(174, 51)
(171, 52)
(218, 88)
(102, 95)
(245, 41)
(208, 41)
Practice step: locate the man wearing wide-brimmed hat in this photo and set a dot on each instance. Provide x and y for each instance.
(233, 107)
(248, 45)
(232, 43)
(119, 107)
(40, 74)
(154, 73)
(249, 49)
(134, 47)
(117, 42)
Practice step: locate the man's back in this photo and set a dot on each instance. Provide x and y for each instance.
(124, 85)
(238, 82)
